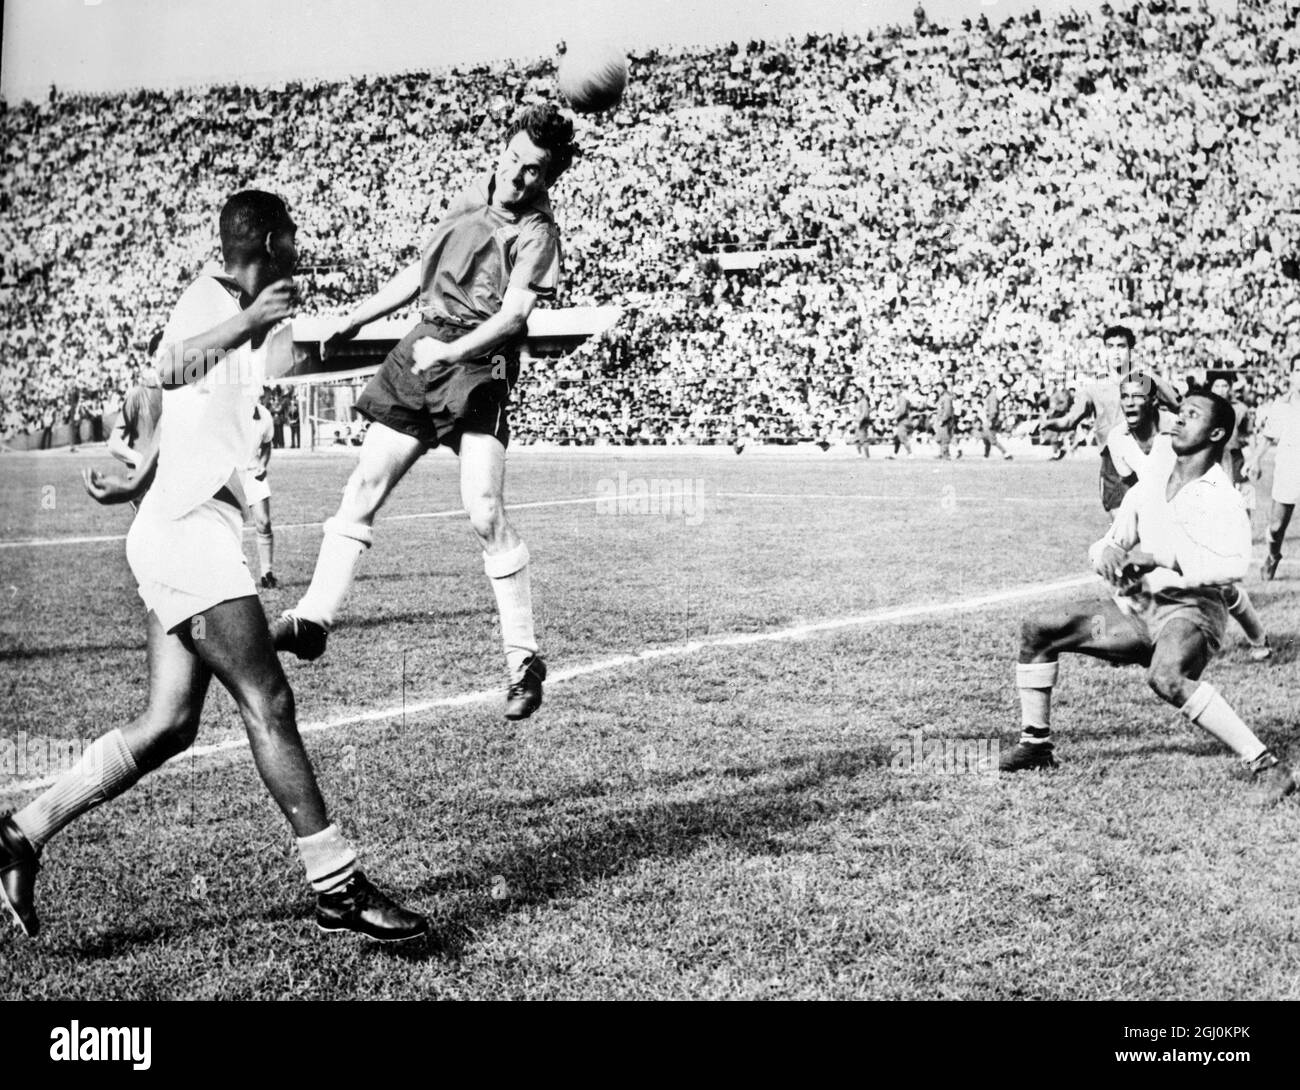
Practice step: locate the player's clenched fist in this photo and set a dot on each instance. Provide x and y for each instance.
(1110, 563)
(274, 304)
(427, 352)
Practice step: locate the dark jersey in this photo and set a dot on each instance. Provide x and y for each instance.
(478, 251)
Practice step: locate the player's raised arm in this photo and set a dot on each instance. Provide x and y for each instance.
(1165, 393)
(184, 359)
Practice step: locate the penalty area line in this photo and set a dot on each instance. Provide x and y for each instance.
(32, 543)
(185, 761)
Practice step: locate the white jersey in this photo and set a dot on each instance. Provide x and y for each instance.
(206, 428)
(1283, 425)
(1199, 538)
(263, 435)
(1131, 460)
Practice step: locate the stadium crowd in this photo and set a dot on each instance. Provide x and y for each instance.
(968, 204)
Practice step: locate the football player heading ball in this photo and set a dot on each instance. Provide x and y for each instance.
(448, 383)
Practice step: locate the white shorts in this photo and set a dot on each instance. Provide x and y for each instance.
(1286, 480)
(256, 491)
(186, 565)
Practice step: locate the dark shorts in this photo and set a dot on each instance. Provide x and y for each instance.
(1205, 608)
(1113, 486)
(439, 406)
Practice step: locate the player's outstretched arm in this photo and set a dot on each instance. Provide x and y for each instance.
(186, 361)
(1071, 419)
(111, 488)
(399, 291)
(507, 325)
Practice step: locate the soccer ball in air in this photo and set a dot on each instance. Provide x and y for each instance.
(592, 76)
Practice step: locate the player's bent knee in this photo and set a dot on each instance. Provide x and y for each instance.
(1170, 684)
(158, 738)
(1036, 635)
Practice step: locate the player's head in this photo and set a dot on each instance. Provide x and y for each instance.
(539, 148)
(1137, 398)
(256, 227)
(1294, 386)
(1117, 347)
(1205, 422)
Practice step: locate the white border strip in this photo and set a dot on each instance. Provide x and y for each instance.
(184, 761)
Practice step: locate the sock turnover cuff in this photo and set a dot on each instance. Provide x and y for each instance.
(500, 565)
(1201, 699)
(355, 531)
(1036, 675)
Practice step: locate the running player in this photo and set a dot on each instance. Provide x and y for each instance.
(204, 618)
(447, 383)
(1139, 448)
(1281, 429)
(1101, 399)
(1177, 541)
(257, 493)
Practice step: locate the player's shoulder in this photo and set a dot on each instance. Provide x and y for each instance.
(209, 292)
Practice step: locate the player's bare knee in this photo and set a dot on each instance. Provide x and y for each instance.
(271, 709)
(1036, 637)
(363, 495)
(487, 516)
(1169, 683)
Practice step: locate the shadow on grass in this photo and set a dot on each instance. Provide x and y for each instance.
(608, 844)
(498, 883)
(26, 654)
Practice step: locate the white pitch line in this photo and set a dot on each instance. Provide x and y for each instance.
(928, 497)
(617, 662)
(452, 513)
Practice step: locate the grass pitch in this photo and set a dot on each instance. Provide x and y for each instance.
(727, 816)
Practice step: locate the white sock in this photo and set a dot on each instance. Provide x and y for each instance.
(1243, 612)
(508, 574)
(1034, 680)
(105, 770)
(1208, 709)
(266, 551)
(328, 859)
(340, 552)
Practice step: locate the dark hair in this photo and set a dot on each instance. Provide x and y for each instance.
(1222, 414)
(1120, 331)
(247, 219)
(547, 128)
